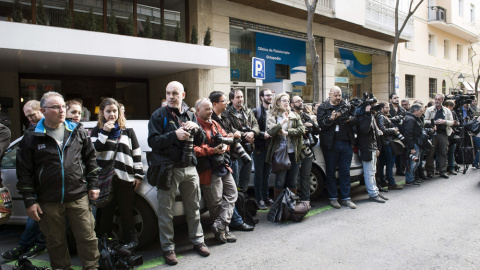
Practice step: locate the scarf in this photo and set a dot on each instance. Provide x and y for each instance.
(115, 132)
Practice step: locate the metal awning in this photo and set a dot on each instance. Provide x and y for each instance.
(470, 86)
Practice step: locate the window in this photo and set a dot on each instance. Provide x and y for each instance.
(432, 87)
(446, 49)
(460, 8)
(459, 52)
(444, 87)
(282, 71)
(9, 160)
(472, 13)
(470, 55)
(410, 45)
(431, 44)
(409, 86)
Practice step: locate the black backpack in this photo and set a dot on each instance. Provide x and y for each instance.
(23, 263)
(247, 208)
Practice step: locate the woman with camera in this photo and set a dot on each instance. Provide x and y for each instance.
(286, 129)
(113, 140)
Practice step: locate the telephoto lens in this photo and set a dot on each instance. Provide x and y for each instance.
(187, 153)
(413, 157)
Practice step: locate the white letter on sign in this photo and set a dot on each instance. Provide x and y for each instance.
(258, 68)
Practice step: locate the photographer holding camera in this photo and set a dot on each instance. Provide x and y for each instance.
(172, 132)
(443, 119)
(397, 114)
(386, 154)
(337, 140)
(243, 120)
(216, 181)
(453, 139)
(412, 128)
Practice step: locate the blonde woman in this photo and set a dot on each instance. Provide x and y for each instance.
(286, 129)
(110, 131)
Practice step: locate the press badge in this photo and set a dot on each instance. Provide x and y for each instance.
(337, 128)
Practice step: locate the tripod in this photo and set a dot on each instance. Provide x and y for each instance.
(459, 112)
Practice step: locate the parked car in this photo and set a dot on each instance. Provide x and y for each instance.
(146, 204)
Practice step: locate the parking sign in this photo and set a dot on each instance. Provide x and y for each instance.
(258, 68)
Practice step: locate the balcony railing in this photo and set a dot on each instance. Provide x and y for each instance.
(323, 6)
(437, 13)
(381, 17)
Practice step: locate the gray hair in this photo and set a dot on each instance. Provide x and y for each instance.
(47, 96)
(415, 107)
(34, 104)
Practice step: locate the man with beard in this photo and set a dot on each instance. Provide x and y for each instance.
(243, 120)
(395, 112)
(337, 141)
(219, 103)
(311, 129)
(406, 104)
(262, 168)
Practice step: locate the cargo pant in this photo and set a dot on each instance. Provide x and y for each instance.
(53, 225)
(186, 180)
(220, 197)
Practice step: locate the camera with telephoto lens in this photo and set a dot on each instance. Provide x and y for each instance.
(368, 99)
(413, 157)
(187, 153)
(114, 256)
(399, 135)
(425, 140)
(219, 159)
(246, 145)
(346, 110)
(397, 119)
(238, 151)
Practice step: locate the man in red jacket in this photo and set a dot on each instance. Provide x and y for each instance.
(216, 180)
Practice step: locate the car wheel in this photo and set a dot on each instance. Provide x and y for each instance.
(317, 183)
(146, 222)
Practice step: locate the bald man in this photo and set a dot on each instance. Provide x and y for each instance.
(337, 141)
(172, 132)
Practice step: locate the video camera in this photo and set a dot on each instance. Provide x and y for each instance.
(114, 256)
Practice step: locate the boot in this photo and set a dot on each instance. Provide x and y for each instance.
(130, 235)
(276, 192)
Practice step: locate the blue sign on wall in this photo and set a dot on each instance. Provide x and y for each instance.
(285, 51)
(258, 68)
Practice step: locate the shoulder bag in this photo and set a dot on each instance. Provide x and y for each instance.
(105, 178)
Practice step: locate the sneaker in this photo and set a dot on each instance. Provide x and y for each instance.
(377, 199)
(34, 251)
(395, 187)
(202, 249)
(335, 204)
(262, 205)
(230, 237)
(444, 176)
(170, 257)
(14, 254)
(348, 203)
(219, 234)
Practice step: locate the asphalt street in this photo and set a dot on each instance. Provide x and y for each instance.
(433, 226)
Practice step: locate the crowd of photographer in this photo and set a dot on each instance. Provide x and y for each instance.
(209, 153)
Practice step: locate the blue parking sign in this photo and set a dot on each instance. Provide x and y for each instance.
(258, 68)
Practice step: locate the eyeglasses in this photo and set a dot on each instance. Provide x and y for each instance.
(298, 101)
(222, 101)
(269, 95)
(56, 107)
(285, 101)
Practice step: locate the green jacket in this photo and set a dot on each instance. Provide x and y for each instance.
(296, 129)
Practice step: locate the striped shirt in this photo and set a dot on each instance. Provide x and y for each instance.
(128, 162)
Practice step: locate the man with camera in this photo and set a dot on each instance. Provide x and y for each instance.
(311, 129)
(453, 139)
(219, 103)
(412, 128)
(386, 155)
(216, 181)
(367, 136)
(243, 120)
(441, 117)
(396, 115)
(337, 141)
(172, 132)
(262, 168)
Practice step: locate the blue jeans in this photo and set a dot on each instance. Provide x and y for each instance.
(32, 235)
(305, 171)
(476, 142)
(451, 156)
(288, 178)
(236, 219)
(369, 168)
(262, 175)
(339, 155)
(387, 159)
(412, 165)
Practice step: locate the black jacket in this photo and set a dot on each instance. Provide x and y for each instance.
(260, 142)
(166, 147)
(387, 128)
(367, 132)
(327, 134)
(393, 113)
(47, 173)
(412, 130)
(239, 123)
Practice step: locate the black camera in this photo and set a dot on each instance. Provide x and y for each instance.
(239, 152)
(114, 256)
(397, 119)
(368, 99)
(399, 135)
(425, 140)
(219, 159)
(187, 153)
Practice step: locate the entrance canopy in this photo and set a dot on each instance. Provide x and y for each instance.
(27, 48)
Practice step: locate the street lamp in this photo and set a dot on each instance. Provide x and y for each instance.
(461, 78)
